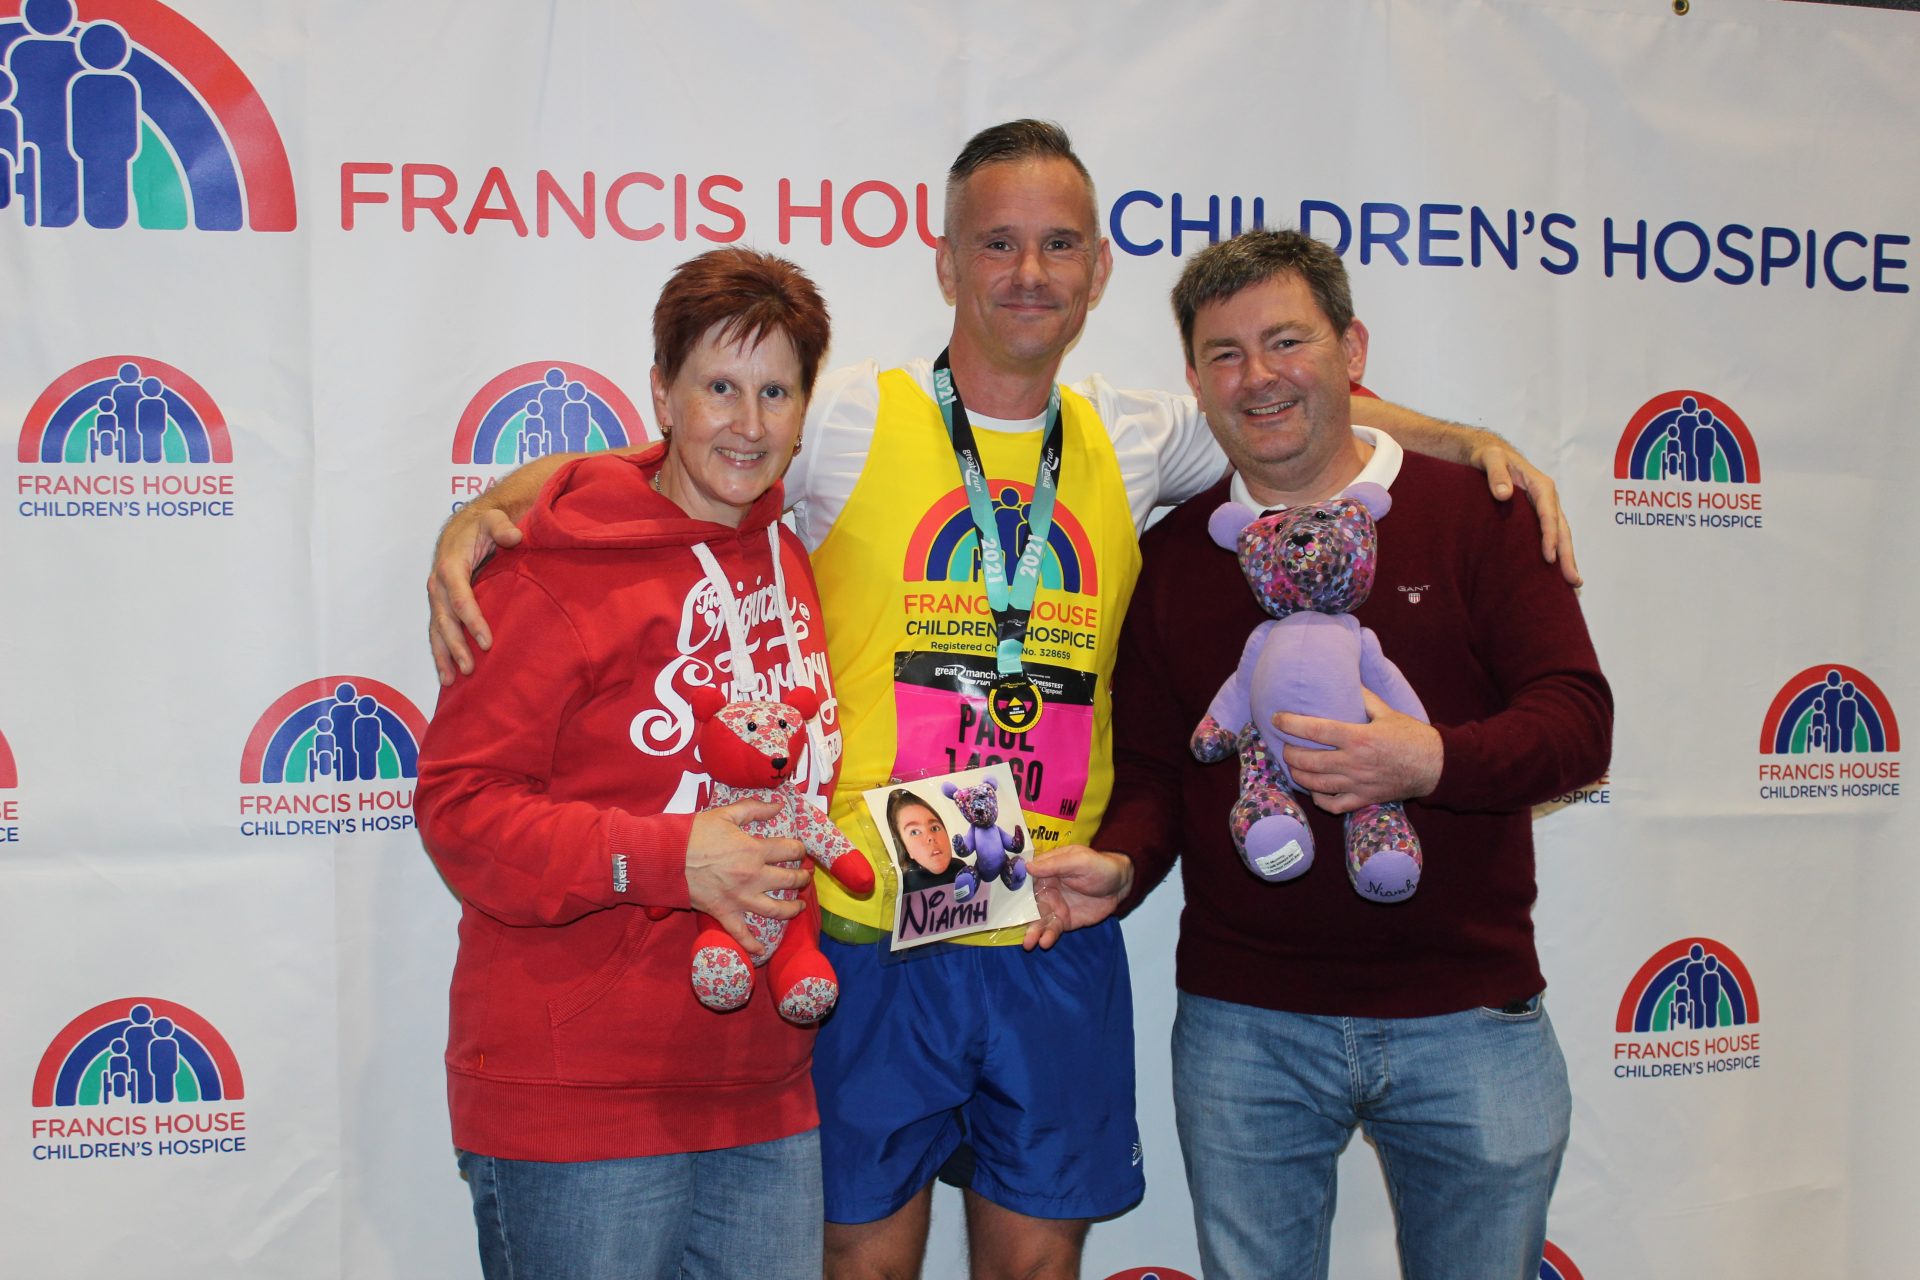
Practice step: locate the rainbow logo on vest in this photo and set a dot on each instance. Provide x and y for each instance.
(945, 546)
(118, 112)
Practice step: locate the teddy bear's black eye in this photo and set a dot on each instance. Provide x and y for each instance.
(1323, 515)
(752, 727)
(783, 722)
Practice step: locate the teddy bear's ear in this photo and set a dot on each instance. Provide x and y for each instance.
(803, 700)
(706, 701)
(1228, 519)
(949, 790)
(991, 785)
(1371, 496)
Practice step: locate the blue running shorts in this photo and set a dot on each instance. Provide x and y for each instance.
(1025, 1056)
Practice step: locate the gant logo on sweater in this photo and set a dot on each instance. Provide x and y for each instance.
(1413, 594)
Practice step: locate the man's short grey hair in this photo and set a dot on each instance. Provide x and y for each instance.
(1254, 257)
(1006, 143)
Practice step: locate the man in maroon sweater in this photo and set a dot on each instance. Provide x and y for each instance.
(1305, 1010)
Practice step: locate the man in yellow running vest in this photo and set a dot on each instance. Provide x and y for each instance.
(1010, 1069)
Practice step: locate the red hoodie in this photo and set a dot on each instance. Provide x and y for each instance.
(556, 793)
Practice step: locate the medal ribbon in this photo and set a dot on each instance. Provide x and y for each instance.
(1011, 602)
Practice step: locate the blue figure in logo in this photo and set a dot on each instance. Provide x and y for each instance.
(1680, 1011)
(119, 1079)
(126, 405)
(1849, 717)
(1710, 990)
(150, 420)
(1011, 519)
(138, 1036)
(553, 402)
(41, 64)
(9, 140)
(103, 441)
(1694, 974)
(1835, 709)
(163, 1059)
(533, 432)
(575, 418)
(1672, 465)
(104, 104)
(1699, 438)
(1683, 424)
(1818, 739)
(342, 727)
(323, 757)
(364, 743)
(1707, 441)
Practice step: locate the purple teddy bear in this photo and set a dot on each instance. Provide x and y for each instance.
(993, 850)
(1309, 566)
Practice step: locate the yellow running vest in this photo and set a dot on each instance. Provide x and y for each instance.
(910, 634)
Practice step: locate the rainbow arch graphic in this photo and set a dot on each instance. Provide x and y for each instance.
(1791, 726)
(945, 547)
(74, 1069)
(1648, 1005)
(209, 155)
(9, 775)
(289, 743)
(1556, 1265)
(1645, 446)
(494, 430)
(67, 422)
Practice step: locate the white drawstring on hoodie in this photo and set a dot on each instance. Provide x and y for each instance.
(745, 675)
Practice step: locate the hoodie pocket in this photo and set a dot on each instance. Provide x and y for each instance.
(588, 992)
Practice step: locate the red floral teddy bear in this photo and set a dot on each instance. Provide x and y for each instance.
(750, 751)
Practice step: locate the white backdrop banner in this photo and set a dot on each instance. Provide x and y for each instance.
(287, 283)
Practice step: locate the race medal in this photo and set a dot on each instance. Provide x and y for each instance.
(1014, 703)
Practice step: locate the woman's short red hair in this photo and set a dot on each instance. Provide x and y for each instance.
(750, 295)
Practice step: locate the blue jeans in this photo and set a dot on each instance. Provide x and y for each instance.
(749, 1211)
(1469, 1112)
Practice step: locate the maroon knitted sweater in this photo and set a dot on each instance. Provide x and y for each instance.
(1492, 640)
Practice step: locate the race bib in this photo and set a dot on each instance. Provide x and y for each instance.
(941, 700)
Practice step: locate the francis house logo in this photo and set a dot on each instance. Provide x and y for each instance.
(122, 113)
(1690, 1011)
(1686, 461)
(137, 1078)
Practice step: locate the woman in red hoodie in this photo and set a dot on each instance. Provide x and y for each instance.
(608, 1124)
